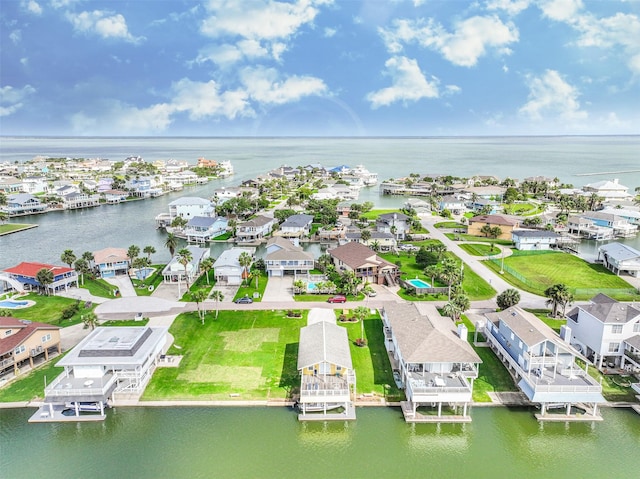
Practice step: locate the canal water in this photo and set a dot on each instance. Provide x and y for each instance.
(185, 442)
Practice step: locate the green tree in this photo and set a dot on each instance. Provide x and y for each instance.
(299, 286)
(82, 267)
(184, 258)
(206, 265)
(218, 297)
(178, 222)
(171, 243)
(495, 232)
(198, 296)
(149, 250)
(559, 296)
(3, 217)
(365, 235)
(44, 276)
(90, 320)
(133, 252)
(486, 230)
(361, 313)
(450, 274)
(245, 261)
(509, 297)
(68, 257)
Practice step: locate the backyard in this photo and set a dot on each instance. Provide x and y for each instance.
(50, 310)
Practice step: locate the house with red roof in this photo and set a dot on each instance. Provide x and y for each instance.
(26, 273)
(23, 341)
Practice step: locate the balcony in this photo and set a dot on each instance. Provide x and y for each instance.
(326, 388)
(66, 387)
(429, 387)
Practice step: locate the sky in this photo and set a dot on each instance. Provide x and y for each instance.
(319, 67)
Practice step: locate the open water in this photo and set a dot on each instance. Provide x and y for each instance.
(269, 442)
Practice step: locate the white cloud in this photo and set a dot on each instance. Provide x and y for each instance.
(265, 86)
(12, 99)
(550, 96)
(408, 84)
(32, 7)
(469, 41)
(15, 36)
(119, 117)
(512, 7)
(204, 100)
(560, 10)
(330, 32)
(227, 54)
(268, 22)
(102, 23)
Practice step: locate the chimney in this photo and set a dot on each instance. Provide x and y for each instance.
(565, 333)
(462, 332)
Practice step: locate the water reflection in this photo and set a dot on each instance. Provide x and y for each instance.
(326, 434)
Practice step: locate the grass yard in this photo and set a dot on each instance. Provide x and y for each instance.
(373, 214)
(479, 249)
(14, 227)
(98, 287)
(251, 354)
(547, 268)
(142, 286)
(449, 224)
(48, 309)
(476, 239)
(614, 387)
(492, 377)
(30, 386)
(248, 289)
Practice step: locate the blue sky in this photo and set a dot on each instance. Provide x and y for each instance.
(319, 67)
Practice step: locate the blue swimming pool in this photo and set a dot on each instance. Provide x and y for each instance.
(418, 283)
(11, 304)
(311, 286)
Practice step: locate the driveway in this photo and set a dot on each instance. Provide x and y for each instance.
(279, 289)
(124, 284)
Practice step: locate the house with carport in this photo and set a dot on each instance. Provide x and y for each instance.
(284, 257)
(620, 258)
(111, 262)
(176, 272)
(202, 229)
(327, 377)
(544, 365)
(432, 361)
(227, 268)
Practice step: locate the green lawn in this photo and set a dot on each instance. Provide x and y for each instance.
(48, 309)
(492, 377)
(373, 214)
(536, 272)
(98, 287)
(483, 239)
(614, 387)
(479, 249)
(13, 227)
(30, 386)
(247, 289)
(449, 224)
(142, 286)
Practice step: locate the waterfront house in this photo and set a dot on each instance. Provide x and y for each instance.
(176, 272)
(285, 257)
(189, 206)
(453, 204)
(609, 190)
(620, 258)
(254, 229)
(111, 262)
(599, 329)
(204, 163)
(201, 229)
(418, 206)
(379, 241)
(113, 197)
(23, 203)
(11, 184)
(398, 224)
(431, 361)
(35, 184)
(226, 193)
(484, 205)
(506, 225)
(144, 186)
(632, 216)
(104, 184)
(109, 362)
(619, 225)
(227, 268)
(364, 262)
(23, 342)
(528, 240)
(296, 226)
(73, 201)
(26, 272)
(327, 378)
(543, 364)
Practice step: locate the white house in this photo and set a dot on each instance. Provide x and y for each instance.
(528, 240)
(398, 224)
(296, 226)
(201, 229)
(544, 365)
(285, 257)
(35, 184)
(432, 361)
(600, 328)
(255, 229)
(620, 258)
(189, 206)
(110, 360)
(111, 262)
(609, 190)
(23, 203)
(176, 272)
(227, 268)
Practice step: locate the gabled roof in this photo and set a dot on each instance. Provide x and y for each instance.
(110, 255)
(257, 221)
(423, 339)
(324, 341)
(204, 221)
(231, 257)
(297, 221)
(25, 330)
(620, 251)
(534, 234)
(608, 310)
(493, 220)
(633, 341)
(390, 217)
(30, 270)
(525, 325)
(356, 255)
(190, 200)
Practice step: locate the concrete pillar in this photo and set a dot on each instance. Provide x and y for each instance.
(464, 409)
(439, 409)
(568, 408)
(543, 408)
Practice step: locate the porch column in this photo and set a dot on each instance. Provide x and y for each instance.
(622, 358)
(46, 354)
(440, 409)
(31, 361)
(568, 409)
(595, 408)
(543, 408)
(464, 409)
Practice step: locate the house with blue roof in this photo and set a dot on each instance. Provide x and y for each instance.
(202, 229)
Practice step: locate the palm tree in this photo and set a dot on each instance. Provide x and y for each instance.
(432, 271)
(462, 302)
(218, 297)
(3, 217)
(245, 261)
(68, 257)
(486, 230)
(360, 313)
(509, 297)
(149, 250)
(559, 295)
(365, 235)
(452, 310)
(171, 244)
(88, 257)
(184, 258)
(299, 285)
(90, 320)
(450, 273)
(82, 267)
(45, 278)
(133, 252)
(206, 265)
(199, 296)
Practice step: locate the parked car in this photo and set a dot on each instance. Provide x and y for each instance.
(371, 293)
(337, 299)
(244, 300)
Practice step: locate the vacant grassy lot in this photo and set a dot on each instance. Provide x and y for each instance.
(535, 273)
(98, 287)
(479, 249)
(492, 377)
(247, 289)
(13, 227)
(253, 356)
(48, 309)
(466, 237)
(30, 386)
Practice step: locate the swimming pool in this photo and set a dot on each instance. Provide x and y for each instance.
(11, 304)
(311, 286)
(418, 283)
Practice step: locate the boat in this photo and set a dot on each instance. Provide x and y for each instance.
(83, 406)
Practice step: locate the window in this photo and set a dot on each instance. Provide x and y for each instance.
(616, 329)
(614, 347)
(19, 349)
(8, 332)
(46, 337)
(636, 327)
(519, 344)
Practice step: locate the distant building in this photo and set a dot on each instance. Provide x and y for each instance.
(364, 262)
(506, 225)
(26, 273)
(528, 240)
(111, 262)
(285, 257)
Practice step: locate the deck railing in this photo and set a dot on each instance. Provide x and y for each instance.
(96, 388)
